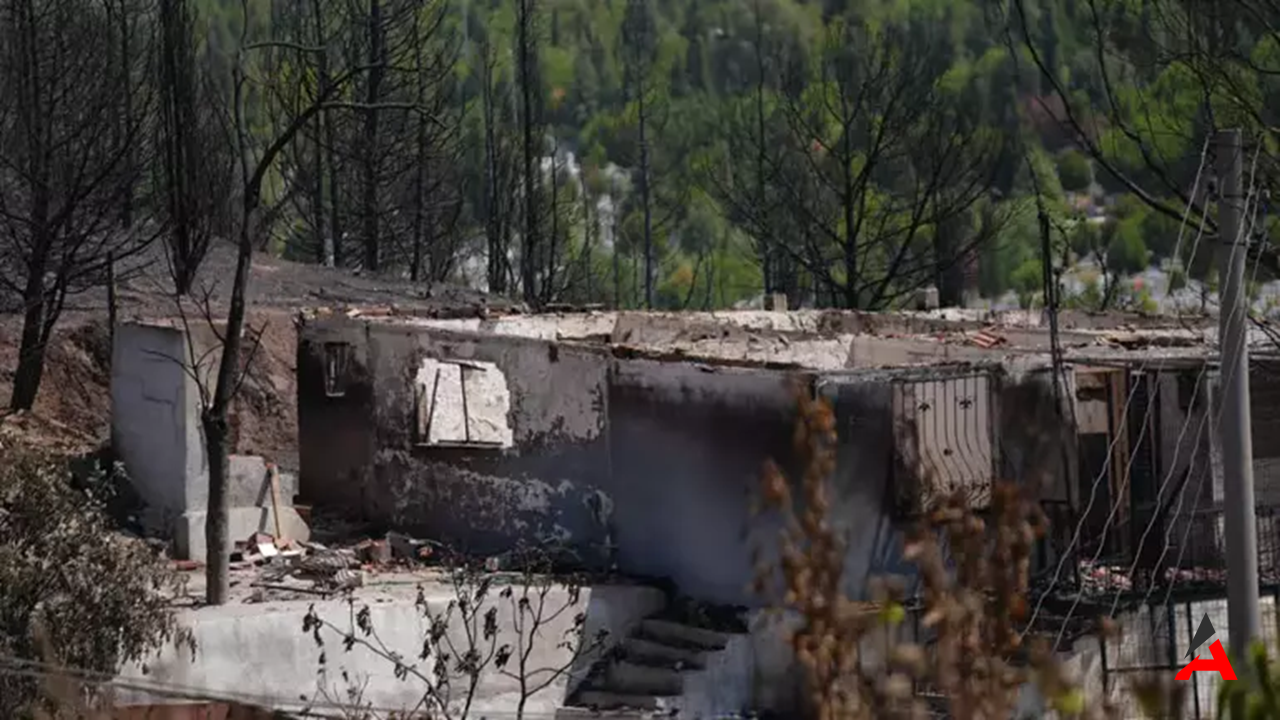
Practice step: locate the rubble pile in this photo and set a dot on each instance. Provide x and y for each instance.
(282, 569)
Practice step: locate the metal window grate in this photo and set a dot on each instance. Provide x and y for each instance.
(337, 360)
(944, 430)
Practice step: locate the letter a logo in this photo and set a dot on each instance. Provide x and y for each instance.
(1217, 662)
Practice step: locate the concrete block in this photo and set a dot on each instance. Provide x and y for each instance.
(649, 652)
(249, 485)
(605, 700)
(582, 713)
(681, 635)
(635, 679)
(188, 531)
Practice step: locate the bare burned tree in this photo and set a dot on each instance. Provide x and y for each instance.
(129, 36)
(872, 156)
(640, 51)
(389, 175)
(372, 156)
(67, 163)
(501, 163)
(528, 42)
(1221, 53)
(196, 162)
(433, 198)
(753, 132)
(313, 162)
(252, 222)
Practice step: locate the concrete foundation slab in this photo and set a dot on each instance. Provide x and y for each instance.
(259, 653)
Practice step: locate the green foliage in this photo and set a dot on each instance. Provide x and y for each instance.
(739, 93)
(75, 593)
(1075, 171)
(1125, 250)
(1255, 694)
(1028, 280)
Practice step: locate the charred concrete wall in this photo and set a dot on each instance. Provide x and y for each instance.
(644, 463)
(359, 449)
(688, 445)
(1015, 411)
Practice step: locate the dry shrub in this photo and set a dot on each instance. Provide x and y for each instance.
(72, 592)
(973, 572)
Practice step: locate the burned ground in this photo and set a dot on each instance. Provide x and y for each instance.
(72, 411)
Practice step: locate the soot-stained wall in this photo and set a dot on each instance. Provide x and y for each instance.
(646, 464)
(688, 447)
(360, 452)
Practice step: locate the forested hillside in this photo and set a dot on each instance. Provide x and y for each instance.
(843, 152)
(633, 153)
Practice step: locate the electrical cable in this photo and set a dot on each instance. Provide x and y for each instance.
(1066, 553)
(1246, 231)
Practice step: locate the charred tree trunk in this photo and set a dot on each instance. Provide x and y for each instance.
(532, 227)
(216, 423)
(588, 243)
(26, 379)
(848, 204)
(549, 280)
(126, 115)
(372, 94)
(422, 223)
(617, 260)
(177, 123)
(497, 271)
(31, 349)
(646, 199)
(950, 262)
(766, 246)
(328, 254)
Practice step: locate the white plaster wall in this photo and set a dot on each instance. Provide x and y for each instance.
(155, 429)
(259, 653)
(151, 427)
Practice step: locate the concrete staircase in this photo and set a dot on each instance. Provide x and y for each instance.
(662, 668)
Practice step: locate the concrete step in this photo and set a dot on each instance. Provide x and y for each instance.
(609, 700)
(633, 678)
(652, 652)
(584, 713)
(685, 636)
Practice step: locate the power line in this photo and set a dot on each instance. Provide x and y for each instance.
(1137, 554)
(1125, 414)
(1066, 553)
(1182, 431)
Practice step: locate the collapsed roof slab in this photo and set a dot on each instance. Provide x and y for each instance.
(717, 338)
(823, 340)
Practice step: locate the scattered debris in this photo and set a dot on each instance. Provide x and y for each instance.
(290, 588)
(376, 552)
(1137, 341)
(988, 338)
(371, 311)
(410, 549)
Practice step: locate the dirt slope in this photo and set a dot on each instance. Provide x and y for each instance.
(73, 408)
